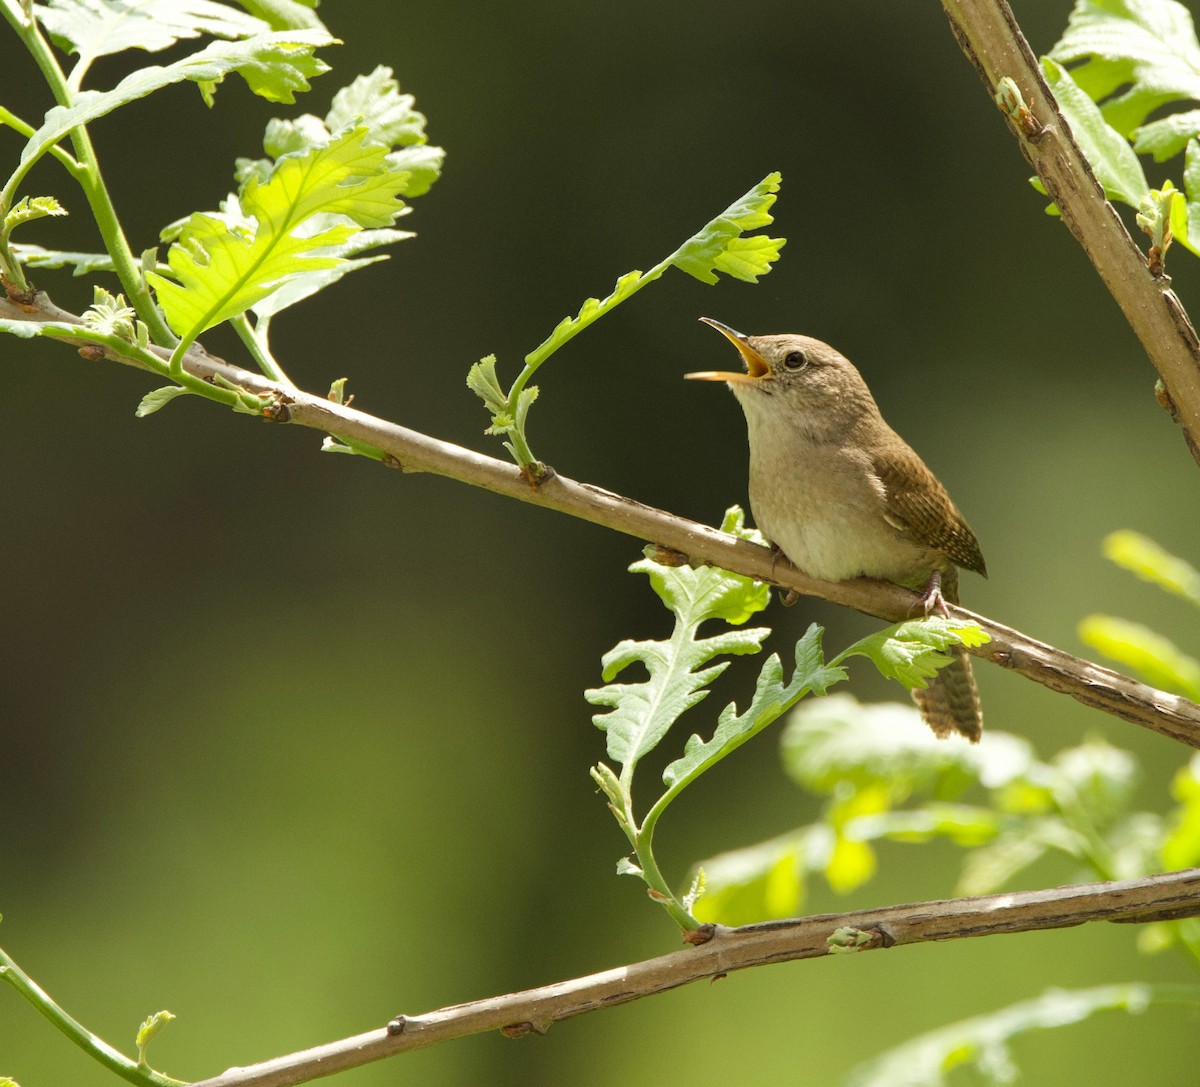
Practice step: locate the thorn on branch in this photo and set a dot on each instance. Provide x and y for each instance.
(396, 1026)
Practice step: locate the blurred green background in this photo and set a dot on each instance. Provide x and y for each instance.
(291, 743)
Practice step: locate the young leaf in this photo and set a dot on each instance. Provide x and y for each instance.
(641, 713)
(772, 698)
(1114, 162)
(274, 66)
(26, 210)
(159, 398)
(1147, 51)
(1156, 659)
(1142, 556)
(912, 652)
(720, 247)
(110, 316)
(82, 264)
(285, 14)
(983, 1042)
(149, 1028)
(95, 29)
(220, 272)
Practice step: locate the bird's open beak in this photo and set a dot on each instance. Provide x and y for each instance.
(756, 365)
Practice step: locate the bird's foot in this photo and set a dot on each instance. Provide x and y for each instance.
(931, 597)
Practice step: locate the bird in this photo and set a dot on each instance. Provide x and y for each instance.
(840, 494)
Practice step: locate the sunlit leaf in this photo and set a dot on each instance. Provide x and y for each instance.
(1142, 556)
(983, 1043)
(1156, 659)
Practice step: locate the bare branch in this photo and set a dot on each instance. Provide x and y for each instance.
(1168, 714)
(989, 36)
(534, 1011)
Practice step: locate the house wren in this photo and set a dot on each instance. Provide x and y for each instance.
(842, 495)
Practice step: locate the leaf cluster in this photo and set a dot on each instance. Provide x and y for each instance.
(680, 670)
(1117, 64)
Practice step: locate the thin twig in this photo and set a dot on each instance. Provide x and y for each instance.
(534, 1011)
(989, 36)
(1168, 714)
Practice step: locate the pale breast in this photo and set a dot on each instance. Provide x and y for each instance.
(825, 512)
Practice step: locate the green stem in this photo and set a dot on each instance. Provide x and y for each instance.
(663, 895)
(125, 264)
(256, 341)
(95, 1047)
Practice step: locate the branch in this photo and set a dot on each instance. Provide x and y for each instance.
(1174, 895)
(989, 36)
(1168, 714)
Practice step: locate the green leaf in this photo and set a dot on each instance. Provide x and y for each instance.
(482, 381)
(720, 247)
(836, 741)
(82, 264)
(913, 651)
(149, 1028)
(26, 210)
(305, 284)
(641, 713)
(274, 66)
(159, 398)
(1181, 849)
(1142, 53)
(1157, 660)
(96, 28)
(761, 881)
(285, 14)
(1143, 557)
(772, 698)
(1095, 777)
(220, 269)
(1114, 162)
(983, 1042)
(372, 102)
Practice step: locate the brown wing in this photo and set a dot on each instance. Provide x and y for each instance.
(920, 507)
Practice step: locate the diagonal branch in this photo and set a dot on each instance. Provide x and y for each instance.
(1169, 896)
(1168, 714)
(989, 36)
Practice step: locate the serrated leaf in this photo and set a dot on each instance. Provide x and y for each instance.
(641, 713)
(220, 272)
(772, 698)
(26, 210)
(483, 382)
(590, 311)
(983, 1042)
(149, 1028)
(913, 651)
(720, 247)
(1156, 659)
(274, 65)
(372, 102)
(159, 398)
(305, 284)
(1144, 49)
(285, 14)
(97, 28)
(1113, 161)
(1142, 556)
(34, 256)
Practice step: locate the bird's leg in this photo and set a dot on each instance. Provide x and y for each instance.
(787, 597)
(931, 596)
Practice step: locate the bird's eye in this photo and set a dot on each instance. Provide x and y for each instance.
(794, 360)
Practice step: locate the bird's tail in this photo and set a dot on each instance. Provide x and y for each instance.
(950, 701)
